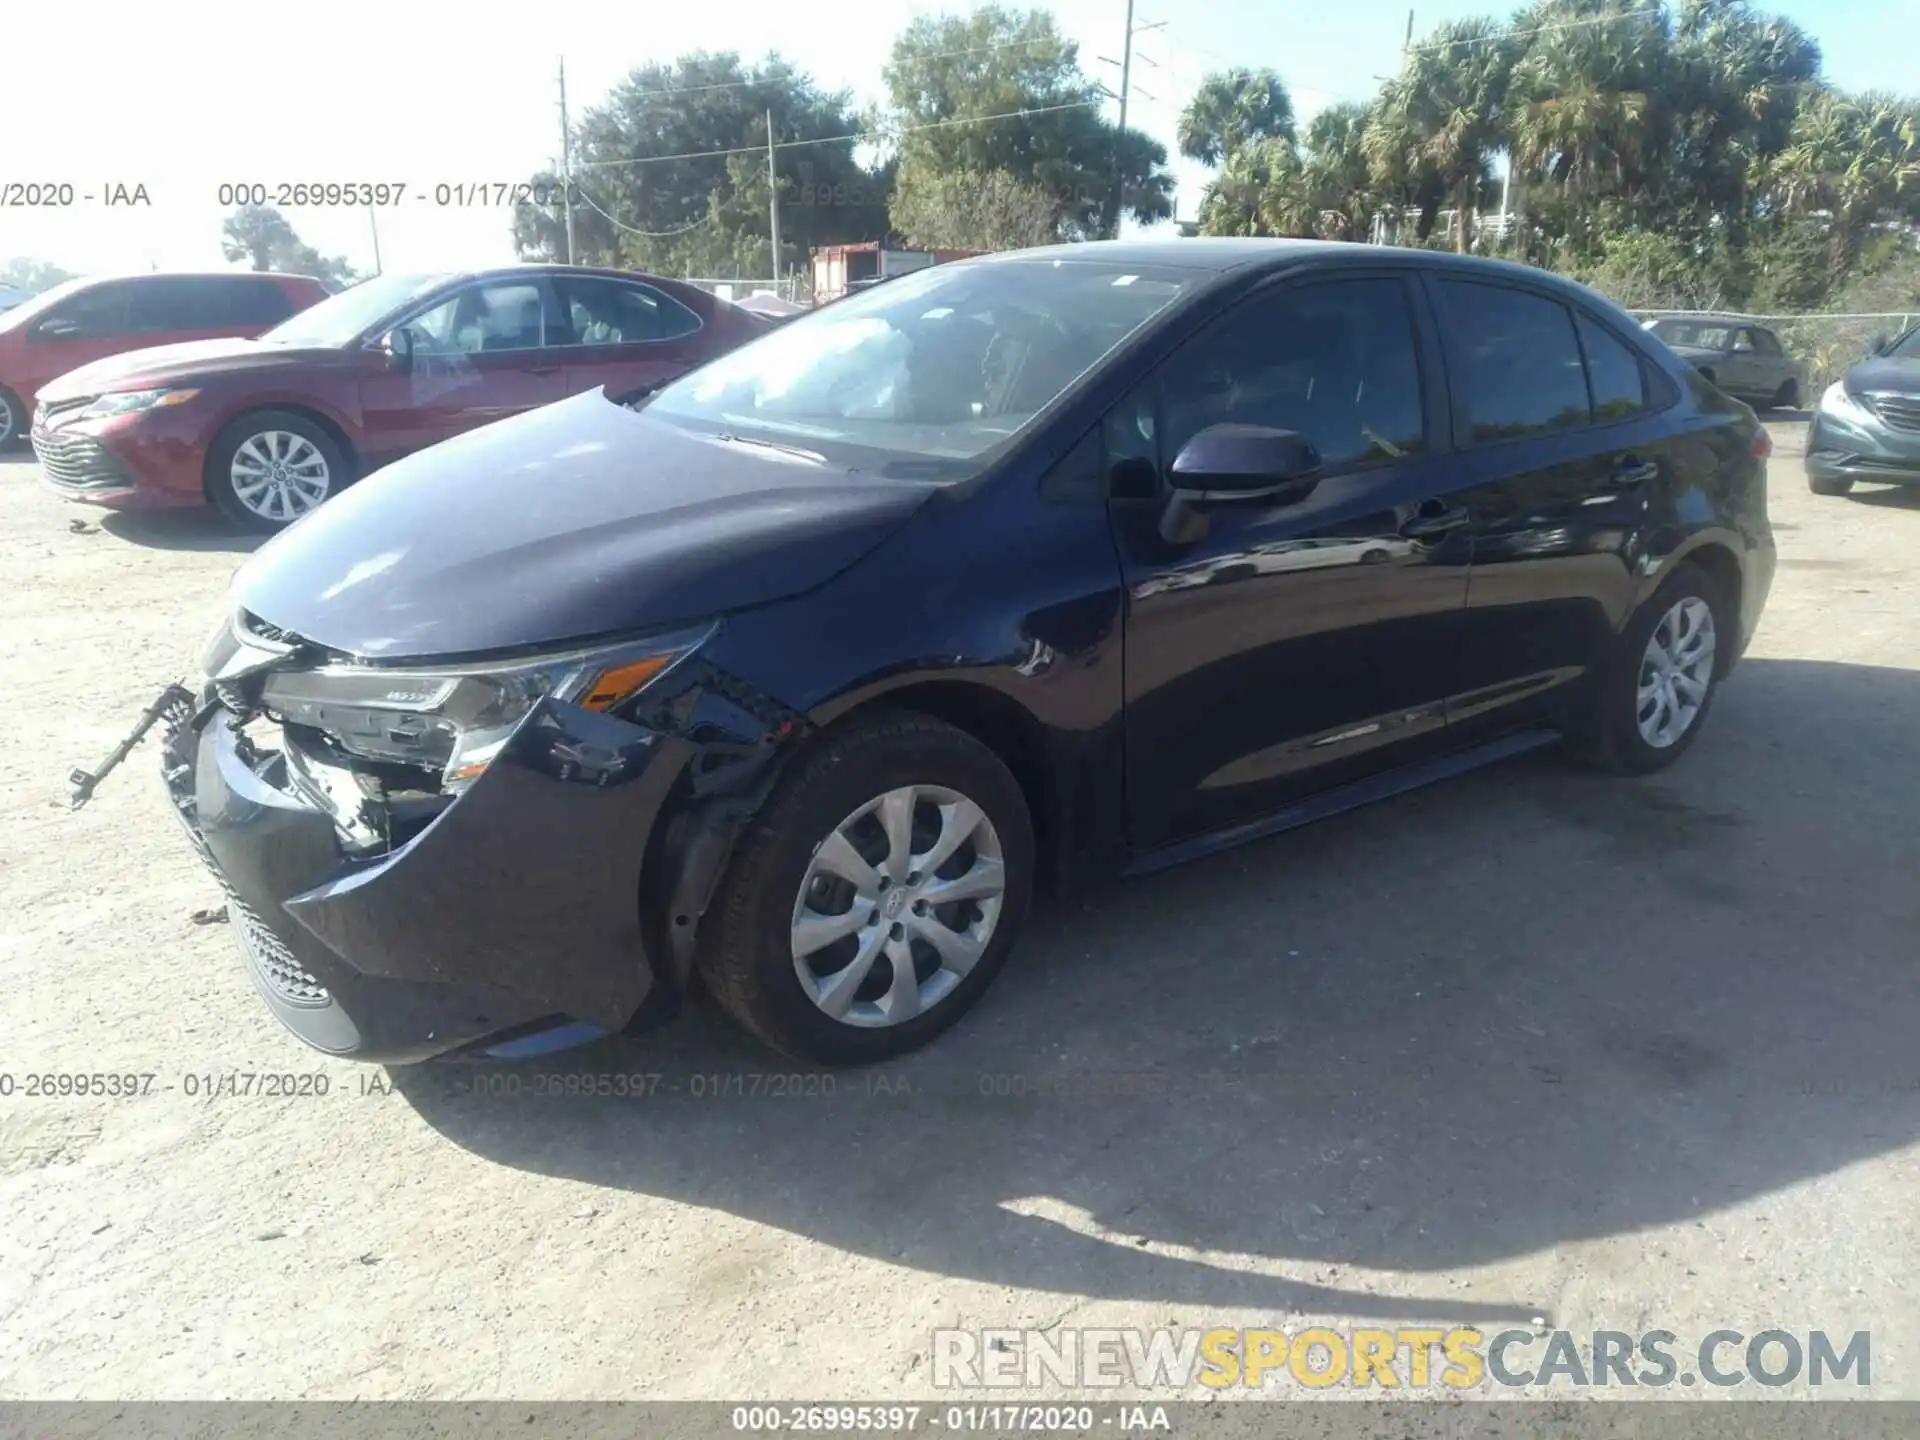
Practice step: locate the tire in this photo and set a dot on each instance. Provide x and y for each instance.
(1613, 737)
(13, 419)
(747, 953)
(308, 458)
(1787, 397)
(1829, 485)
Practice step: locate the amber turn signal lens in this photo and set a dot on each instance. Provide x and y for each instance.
(615, 683)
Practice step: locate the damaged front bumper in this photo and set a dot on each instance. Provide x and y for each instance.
(516, 911)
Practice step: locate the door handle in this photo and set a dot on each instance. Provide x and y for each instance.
(1632, 470)
(1437, 523)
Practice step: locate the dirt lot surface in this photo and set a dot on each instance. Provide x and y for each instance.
(1616, 1055)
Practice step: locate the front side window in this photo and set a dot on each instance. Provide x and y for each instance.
(505, 315)
(612, 312)
(926, 375)
(1333, 361)
(1520, 360)
(88, 315)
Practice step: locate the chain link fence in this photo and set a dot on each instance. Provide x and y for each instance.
(1828, 345)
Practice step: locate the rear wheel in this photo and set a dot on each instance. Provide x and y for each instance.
(1829, 484)
(13, 419)
(1655, 692)
(876, 896)
(269, 468)
(1787, 397)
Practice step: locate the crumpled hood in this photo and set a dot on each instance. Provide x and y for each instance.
(580, 519)
(184, 364)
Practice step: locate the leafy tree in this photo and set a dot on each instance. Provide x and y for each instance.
(32, 276)
(968, 210)
(262, 236)
(670, 172)
(1001, 91)
(1231, 108)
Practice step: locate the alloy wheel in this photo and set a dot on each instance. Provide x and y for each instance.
(1675, 672)
(9, 421)
(897, 905)
(279, 475)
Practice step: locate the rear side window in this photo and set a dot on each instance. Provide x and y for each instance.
(208, 302)
(1333, 361)
(1615, 373)
(614, 312)
(1523, 374)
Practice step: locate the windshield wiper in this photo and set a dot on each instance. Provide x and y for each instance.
(732, 439)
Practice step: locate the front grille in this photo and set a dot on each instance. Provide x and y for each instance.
(1902, 412)
(268, 954)
(77, 462)
(262, 632)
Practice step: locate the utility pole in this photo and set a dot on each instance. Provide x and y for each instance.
(566, 159)
(773, 203)
(1407, 44)
(373, 220)
(1126, 90)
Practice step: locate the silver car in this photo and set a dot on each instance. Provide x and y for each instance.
(1744, 359)
(1867, 426)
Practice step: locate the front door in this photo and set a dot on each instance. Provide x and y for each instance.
(1291, 648)
(487, 351)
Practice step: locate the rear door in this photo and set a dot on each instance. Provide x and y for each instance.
(1290, 648)
(624, 335)
(175, 309)
(1565, 452)
(483, 352)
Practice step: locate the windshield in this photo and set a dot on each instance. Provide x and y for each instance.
(1700, 334)
(1907, 347)
(343, 318)
(944, 364)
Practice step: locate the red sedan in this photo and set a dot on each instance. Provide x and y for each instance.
(268, 429)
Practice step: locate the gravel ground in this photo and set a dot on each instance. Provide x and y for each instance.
(1530, 1044)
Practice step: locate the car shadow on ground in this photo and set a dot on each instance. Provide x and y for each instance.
(1528, 1007)
(197, 529)
(1900, 497)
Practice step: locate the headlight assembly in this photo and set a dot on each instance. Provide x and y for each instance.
(132, 402)
(1837, 404)
(455, 719)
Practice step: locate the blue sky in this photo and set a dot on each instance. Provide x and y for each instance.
(426, 91)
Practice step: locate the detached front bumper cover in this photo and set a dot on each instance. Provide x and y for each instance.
(519, 902)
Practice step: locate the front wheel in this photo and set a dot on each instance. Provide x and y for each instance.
(269, 468)
(1787, 397)
(1653, 695)
(13, 419)
(876, 896)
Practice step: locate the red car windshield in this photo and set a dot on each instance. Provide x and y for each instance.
(341, 319)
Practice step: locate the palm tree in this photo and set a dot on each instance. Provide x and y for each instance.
(1231, 108)
(1438, 123)
(1337, 171)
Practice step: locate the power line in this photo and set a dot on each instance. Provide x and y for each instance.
(1531, 30)
(595, 205)
(858, 136)
(1053, 40)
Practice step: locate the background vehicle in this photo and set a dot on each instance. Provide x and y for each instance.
(1744, 359)
(865, 628)
(10, 297)
(87, 320)
(268, 429)
(1867, 425)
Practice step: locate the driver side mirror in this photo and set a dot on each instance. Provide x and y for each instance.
(1227, 464)
(397, 346)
